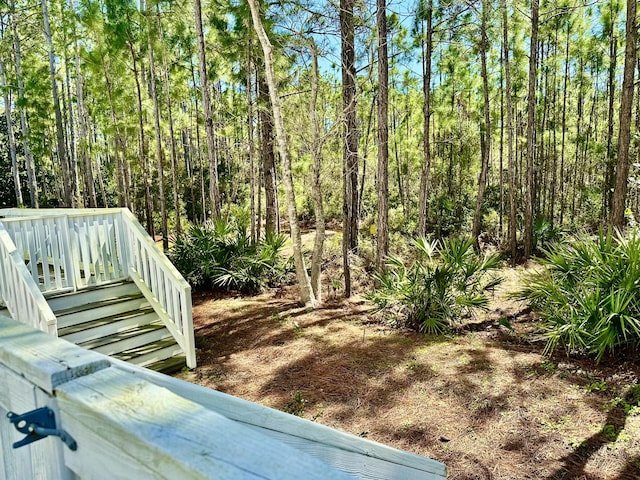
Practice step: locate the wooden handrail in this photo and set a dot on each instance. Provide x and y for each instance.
(19, 291)
(161, 284)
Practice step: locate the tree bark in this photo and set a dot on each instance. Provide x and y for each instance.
(531, 106)
(268, 159)
(24, 126)
(426, 113)
(61, 149)
(626, 103)
(486, 151)
(251, 149)
(306, 292)
(611, 88)
(15, 173)
(350, 142)
(158, 133)
(214, 193)
(510, 133)
(316, 183)
(383, 138)
(142, 146)
(83, 141)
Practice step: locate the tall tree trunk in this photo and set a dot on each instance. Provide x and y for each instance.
(83, 141)
(626, 103)
(306, 292)
(427, 49)
(15, 173)
(383, 138)
(510, 133)
(531, 106)
(124, 180)
(482, 180)
(350, 142)
(24, 126)
(316, 182)
(564, 124)
(268, 158)
(159, 150)
(173, 151)
(142, 146)
(61, 149)
(611, 88)
(198, 147)
(251, 149)
(214, 192)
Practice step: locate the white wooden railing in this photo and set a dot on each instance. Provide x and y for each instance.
(19, 291)
(161, 283)
(70, 249)
(131, 423)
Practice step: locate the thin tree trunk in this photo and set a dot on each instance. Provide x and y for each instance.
(142, 147)
(306, 292)
(626, 104)
(172, 139)
(199, 148)
(251, 150)
(531, 105)
(350, 142)
(427, 49)
(124, 181)
(564, 126)
(611, 161)
(61, 149)
(15, 173)
(316, 184)
(159, 150)
(383, 138)
(510, 134)
(482, 180)
(214, 192)
(83, 141)
(268, 159)
(24, 126)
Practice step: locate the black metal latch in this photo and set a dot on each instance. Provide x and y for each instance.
(38, 424)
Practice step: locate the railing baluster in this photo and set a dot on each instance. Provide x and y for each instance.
(19, 291)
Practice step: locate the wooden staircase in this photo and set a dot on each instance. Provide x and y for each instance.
(115, 319)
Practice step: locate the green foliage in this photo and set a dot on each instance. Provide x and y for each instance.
(447, 282)
(297, 405)
(588, 294)
(220, 255)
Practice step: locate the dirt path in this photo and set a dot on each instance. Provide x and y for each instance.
(485, 401)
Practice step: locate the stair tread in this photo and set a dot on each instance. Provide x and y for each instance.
(124, 335)
(93, 305)
(92, 288)
(99, 322)
(169, 365)
(134, 353)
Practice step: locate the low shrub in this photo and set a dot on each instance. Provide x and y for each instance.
(447, 282)
(588, 293)
(221, 256)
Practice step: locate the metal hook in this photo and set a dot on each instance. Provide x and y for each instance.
(38, 424)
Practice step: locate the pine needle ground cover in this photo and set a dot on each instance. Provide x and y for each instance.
(485, 401)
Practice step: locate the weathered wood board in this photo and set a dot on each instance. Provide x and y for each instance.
(134, 429)
(358, 456)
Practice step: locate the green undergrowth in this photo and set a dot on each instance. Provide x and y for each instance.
(588, 293)
(446, 282)
(221, 256)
